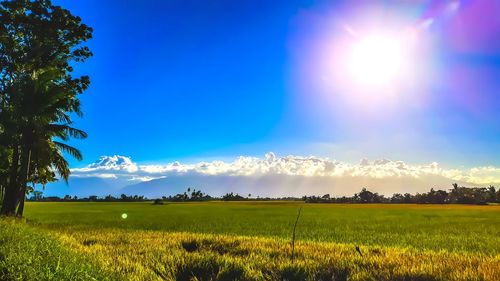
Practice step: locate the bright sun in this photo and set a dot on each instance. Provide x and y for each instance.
(376, 60)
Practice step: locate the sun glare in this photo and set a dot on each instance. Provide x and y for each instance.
(376, 60)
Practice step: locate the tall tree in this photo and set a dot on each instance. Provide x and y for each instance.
(45, 102)
(39, 43)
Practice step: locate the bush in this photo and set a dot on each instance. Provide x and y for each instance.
(157, 202)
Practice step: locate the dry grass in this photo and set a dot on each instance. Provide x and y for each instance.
(157, 255)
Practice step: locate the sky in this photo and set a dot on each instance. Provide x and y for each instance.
(202, 81)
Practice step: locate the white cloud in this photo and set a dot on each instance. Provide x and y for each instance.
(94, 175)
(479, 175)
(311, 166)
(111, 163)
(144, 179)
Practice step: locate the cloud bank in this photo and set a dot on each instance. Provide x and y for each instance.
(123, 167)
(277, 176)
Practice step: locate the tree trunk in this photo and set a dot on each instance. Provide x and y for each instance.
(9, 203)
(2, 191)
(12, 189)
(24, 181)
(20, 209)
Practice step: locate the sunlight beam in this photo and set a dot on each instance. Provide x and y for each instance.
(376, 60)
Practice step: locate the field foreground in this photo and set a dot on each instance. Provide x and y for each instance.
(151, 255)
(149, 247)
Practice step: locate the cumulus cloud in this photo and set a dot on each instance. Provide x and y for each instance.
(112, 163)
(269, 175)
(311, 166)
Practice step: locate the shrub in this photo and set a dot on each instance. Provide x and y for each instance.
(157, 202)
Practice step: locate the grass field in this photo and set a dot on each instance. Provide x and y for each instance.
(251, 240)
(437, 227)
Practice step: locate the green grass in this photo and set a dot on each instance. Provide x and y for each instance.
(27, 254)
(452, 228)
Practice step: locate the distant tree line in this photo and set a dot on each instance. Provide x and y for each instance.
(38, 196)
(236, 197)
(194, 195)
(456, 195)
(190, 195)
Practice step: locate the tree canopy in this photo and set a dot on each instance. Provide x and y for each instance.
(39, 45)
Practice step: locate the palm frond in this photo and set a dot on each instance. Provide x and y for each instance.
(60, 129)
(61, 166)
(69, 149)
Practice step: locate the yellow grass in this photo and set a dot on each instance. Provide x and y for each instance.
(157, 255)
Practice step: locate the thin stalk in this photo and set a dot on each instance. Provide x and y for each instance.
(293, 237)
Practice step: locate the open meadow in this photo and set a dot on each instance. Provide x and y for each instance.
(252, 241)
(457, 228)
(250, 140)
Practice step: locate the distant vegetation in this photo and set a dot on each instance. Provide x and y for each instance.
(456, 195)
(194, 195)
(38, 196)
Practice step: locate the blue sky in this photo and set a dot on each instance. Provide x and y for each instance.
(201, 80)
